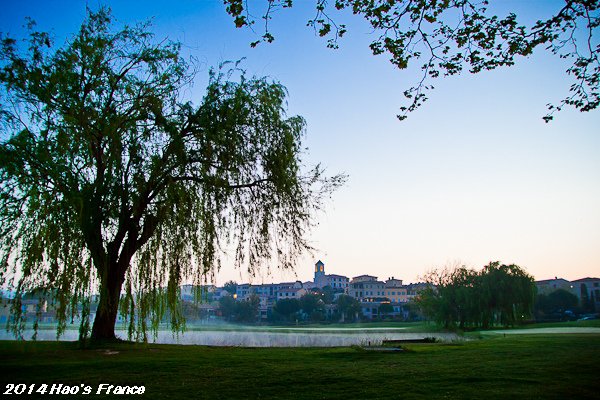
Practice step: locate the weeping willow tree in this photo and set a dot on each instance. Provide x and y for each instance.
(460, 297)
(112, 184)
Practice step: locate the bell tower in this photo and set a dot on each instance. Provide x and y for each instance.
(319, 270)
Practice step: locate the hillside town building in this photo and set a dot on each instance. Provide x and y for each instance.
(587, 290)
(550, 285)
(368, 290)
(334, 281)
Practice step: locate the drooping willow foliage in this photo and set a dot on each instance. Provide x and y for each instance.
(112, 184)
(465, 298)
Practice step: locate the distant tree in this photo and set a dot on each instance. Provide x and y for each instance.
(227, 306)
(587, 303)
(109, 180)
(287, 308)
(414, 311)
(247, 310)
(507, 294)
(310, 303)
(385, 309)
(452, 297)
(231, 287)
(317, 316)
(461, 297)
(554, 303)
(561, 299)
(348, 307)
(541, 306)
(239, 310)
(328, 294)
(447, 37)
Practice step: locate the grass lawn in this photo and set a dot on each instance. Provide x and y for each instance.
(592, 323)
(521, 366)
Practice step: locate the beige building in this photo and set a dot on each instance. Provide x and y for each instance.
(587, 288)
(547, 286)
(365, 287)
(291, 293)
(395, 291)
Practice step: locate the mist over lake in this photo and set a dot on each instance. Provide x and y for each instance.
(265, 337)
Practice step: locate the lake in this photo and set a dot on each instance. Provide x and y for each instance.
(267, 337)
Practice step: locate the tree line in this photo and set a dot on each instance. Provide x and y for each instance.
(462, 298)
(561, 305)
(310, 307)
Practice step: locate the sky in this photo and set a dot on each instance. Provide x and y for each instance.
(473, 176)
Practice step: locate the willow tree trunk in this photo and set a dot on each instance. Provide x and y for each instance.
(108, 307)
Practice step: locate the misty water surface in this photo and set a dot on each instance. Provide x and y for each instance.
(272, 337)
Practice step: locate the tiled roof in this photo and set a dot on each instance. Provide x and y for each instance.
(544, 281)
(587, 280)
(291, 290)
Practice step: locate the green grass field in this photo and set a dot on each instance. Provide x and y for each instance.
(521, 366)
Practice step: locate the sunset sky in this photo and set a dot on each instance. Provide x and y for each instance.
(473, 176)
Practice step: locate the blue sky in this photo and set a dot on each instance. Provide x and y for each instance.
(474, 176)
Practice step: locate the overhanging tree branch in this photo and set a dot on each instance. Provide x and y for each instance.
(410, 30)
